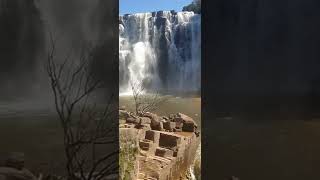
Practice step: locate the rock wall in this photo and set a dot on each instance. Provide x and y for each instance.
(167, 145)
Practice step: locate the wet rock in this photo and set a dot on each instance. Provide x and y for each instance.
(160, 13)
(154, 14)
(160, 22)
(173, 12)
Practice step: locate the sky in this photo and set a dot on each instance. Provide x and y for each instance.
(136, 6)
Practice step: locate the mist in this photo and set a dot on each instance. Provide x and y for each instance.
(24, 43)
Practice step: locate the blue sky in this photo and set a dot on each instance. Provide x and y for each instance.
(136, 6)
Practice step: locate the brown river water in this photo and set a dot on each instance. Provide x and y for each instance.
(250, 150)
(34, 129)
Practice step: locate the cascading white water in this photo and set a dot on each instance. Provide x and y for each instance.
(160, 50)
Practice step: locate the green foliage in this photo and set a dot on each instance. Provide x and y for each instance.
(127, 157)
(194, 6)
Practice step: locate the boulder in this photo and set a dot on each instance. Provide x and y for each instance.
(197, 133)
(123, 114)
(133, 120)
(184, 118)
(189, 125)
(143, 126)
(158, 126)
(169, 126)
(172, 116)
(156, 123)
(145, 120)
(151, 116)
(179, 125)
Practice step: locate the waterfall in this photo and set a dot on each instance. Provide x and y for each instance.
(161, 50)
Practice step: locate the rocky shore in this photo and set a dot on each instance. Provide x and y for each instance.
(167, 145)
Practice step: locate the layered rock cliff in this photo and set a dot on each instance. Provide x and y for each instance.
(166, 146)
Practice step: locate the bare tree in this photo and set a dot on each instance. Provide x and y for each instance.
(143, 101)
(88, 128)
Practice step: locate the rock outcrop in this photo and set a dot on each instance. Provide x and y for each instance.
(167, 145)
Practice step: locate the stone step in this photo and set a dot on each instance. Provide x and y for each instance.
(163, 152)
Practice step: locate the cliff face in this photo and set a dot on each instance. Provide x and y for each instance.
(162, 49)
(167, 145)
